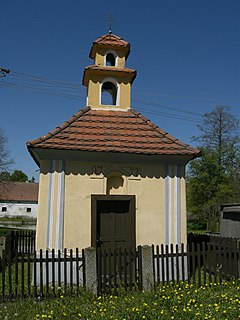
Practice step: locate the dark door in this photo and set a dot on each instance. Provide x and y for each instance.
(113, 234)
(113, 222)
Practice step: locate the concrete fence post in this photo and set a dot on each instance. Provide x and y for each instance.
(2, 245)
(91, 269)
(147, 268)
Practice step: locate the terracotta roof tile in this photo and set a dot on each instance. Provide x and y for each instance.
(123, 72)
(112, 131)
(112, 68)
(110, 40)
(19, 191)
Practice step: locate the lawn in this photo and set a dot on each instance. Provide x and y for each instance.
(183, 301)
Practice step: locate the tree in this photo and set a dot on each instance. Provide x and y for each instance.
(220, 133)
(5, 161)
(214, 178)
(5, 176)
(18, 176)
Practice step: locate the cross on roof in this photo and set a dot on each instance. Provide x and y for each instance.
(111, 20)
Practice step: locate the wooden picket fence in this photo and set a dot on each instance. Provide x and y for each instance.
(44, 274)
(197, 263)
(23, 241)
(119, 269)
(49, 273)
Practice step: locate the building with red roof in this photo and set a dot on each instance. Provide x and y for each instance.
(109, 177)
(18, 199)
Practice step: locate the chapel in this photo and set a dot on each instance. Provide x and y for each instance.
(109, 177)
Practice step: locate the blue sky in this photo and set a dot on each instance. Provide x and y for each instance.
(186, 54)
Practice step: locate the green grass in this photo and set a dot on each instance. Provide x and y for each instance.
(18, 218)
(219, 301)
(10, 272)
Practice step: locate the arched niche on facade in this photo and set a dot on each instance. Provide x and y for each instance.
(115, 184)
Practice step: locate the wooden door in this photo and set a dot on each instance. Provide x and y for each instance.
(113, 234)
(113, 222)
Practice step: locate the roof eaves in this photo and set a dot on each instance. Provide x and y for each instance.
(192, 150)
(59, 128)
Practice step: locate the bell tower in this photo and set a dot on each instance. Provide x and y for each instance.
(108, 81)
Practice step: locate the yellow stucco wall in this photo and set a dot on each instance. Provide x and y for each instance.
(42, 219)
(94, 92)
(160, 201)
(100, 57)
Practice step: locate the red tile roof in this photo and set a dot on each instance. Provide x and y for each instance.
(19, 191)
(112, 131)
(110, 40)
(124, 72)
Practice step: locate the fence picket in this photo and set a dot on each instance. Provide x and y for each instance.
(204, 262)
(16, 273)
(59, 272)
(65, 269)
(177, 263)
(182, 262)
(3, 267)
(198, 258)
(83, 265)
(140, 279)
(71, 270)
(22, 275)
(77, 269)
(162, 263)
(172, 263)
(35, 274)
(167, 264)
(10, 279)
(47, 273)
(115, 268)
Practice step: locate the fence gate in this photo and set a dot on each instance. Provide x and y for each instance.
(118, 269)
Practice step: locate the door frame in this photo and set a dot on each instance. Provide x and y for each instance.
(132, 209)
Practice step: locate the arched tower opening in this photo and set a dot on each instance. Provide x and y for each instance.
(110, 60)
(109, 93)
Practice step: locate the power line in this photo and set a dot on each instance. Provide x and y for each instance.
(149, 91)
(45, 80)
(166, 107)
(169, 115)
(68, 95)
(66, 89)
(39, 90)
(73, 86)
(198, 95)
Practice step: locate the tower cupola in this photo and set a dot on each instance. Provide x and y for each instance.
(108, 81)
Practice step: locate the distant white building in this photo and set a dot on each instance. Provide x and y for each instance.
(19, 199)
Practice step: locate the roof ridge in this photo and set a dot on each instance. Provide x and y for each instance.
(61, 127)
(107, 35)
